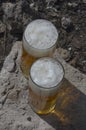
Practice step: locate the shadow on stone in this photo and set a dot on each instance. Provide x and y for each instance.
(70, 110)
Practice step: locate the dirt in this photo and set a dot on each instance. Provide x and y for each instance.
(68, 16)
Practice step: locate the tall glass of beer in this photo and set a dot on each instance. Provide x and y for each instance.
(46, 75)
(39, 40)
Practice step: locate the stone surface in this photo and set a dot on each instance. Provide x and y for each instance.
(15, 112)
(8, 9)
(65, 54)
(73, 4)
(84, 1)
(66, 23)
(73, 75)
(2, 28)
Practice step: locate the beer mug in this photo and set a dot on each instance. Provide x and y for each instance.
(46, 75)
(39, 40)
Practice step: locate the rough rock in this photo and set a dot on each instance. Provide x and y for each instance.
(84, 1)
(65, 54)
(73, 75)
(8, 9)
(67, 23)
(2, 28)
(15, 112)
(73, 4)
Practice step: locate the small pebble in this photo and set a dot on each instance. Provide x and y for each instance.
(29, 119)
(67, 23)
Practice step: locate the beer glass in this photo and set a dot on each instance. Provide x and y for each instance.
(46, 75)
(39, 40)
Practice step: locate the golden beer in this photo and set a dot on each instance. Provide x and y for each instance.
(39, 40)
(46, 75)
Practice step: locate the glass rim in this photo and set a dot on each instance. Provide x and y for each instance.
(38, 48)
(47, 88)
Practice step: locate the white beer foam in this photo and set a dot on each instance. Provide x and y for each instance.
(41, 34)
(46, 72)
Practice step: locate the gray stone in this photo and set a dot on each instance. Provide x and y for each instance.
(8, 9)
(84, 1)
(66, 23)
(15, 112)
(65, 54)
(73, 4)
(73, 75)
(2, 27)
